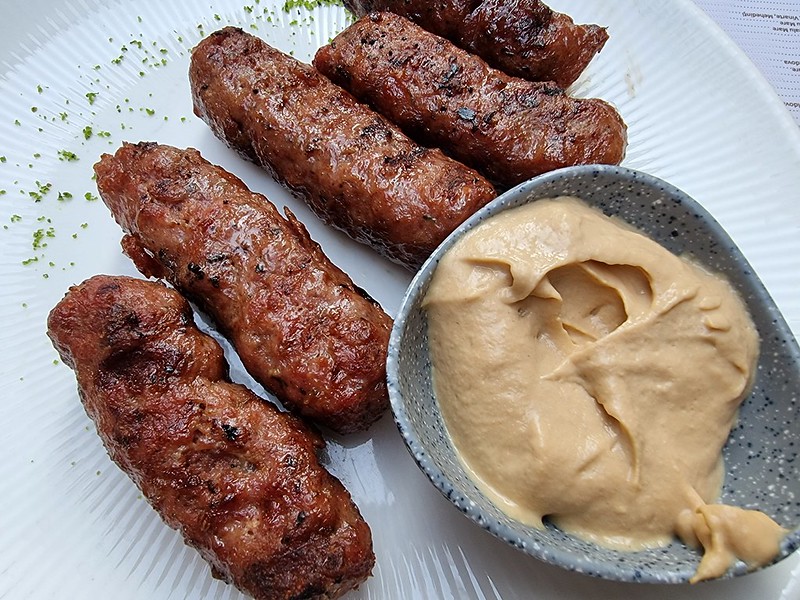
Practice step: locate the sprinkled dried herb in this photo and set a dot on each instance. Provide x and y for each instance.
(41, 190)
(67, 155)
(308, 4)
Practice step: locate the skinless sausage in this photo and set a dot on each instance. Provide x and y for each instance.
(299, 324)
(524, 38)
(355, 169)
(507, 128)
(239, 479)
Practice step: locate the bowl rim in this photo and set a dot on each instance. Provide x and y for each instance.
(555, 556)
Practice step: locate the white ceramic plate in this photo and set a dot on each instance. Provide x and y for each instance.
(71, 524)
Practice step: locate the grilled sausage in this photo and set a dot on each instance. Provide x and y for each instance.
(507, 128)
(238, 478)
(299, 324)
(356, 170)
(524, 38)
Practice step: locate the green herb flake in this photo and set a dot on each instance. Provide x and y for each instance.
(308, 4)
(40, 235)
(3, 159)
(67, 155)
(16, 218)
(39, 89)
(90, 196)
(34, 109)
(30, 261)
(87, 132)
(150, 111)
(91, 97)
(64, 196)
(41, 190)
(17, 123)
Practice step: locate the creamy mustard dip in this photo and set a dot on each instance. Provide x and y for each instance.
(588, 376)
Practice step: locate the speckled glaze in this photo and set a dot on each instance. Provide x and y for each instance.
(761, 456)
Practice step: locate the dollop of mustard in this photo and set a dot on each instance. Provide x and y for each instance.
(588, 376)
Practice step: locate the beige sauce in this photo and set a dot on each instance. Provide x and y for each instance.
(589, 376)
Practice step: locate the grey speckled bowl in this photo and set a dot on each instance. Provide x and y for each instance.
(762, 464)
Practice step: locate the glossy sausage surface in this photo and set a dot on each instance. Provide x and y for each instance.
(239, 479)
(524, 38)
(299, 324)
(507, 128)
(355, 169)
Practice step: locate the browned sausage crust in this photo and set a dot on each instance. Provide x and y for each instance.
(356, 170)
(524, 38)
(239, 479)
(299, 324)
(507, 128)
